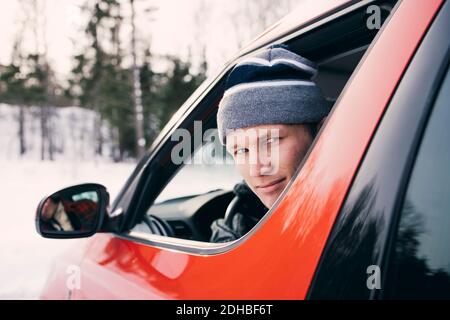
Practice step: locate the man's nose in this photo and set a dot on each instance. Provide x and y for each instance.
(260, 164)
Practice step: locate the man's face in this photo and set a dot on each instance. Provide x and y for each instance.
(267, 156)
(49, 209)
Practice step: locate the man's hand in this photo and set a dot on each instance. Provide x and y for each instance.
(240, 225)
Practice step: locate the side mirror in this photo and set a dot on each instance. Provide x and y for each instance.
(73, 212)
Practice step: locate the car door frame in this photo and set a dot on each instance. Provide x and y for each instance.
(278, 260)
(364, 232)
(135, 201)
(125, 202)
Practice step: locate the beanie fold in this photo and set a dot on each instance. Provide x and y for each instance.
(272, 87)
(270, 104)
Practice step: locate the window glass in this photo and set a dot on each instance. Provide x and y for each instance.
(205, 199)
(204, 172)
(421, 261)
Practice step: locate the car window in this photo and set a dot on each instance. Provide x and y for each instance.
(421, 258)
(203, 173)
(197, 194)
(202, 197)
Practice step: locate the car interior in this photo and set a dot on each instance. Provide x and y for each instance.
(336, 46)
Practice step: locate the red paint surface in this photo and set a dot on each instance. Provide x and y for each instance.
(279, 260)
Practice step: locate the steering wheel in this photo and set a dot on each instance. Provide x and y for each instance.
(158, 226)
(232, 209)
(245, 201)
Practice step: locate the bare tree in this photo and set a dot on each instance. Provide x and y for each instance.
(16, 59)
(252, 17)
(36, 12)
(137, 93)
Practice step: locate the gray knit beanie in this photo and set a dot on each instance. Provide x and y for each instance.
(271, 87)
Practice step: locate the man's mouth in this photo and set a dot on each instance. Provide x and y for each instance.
(270, 186)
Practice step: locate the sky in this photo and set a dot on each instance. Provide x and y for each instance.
(60, 26)
(175, 28)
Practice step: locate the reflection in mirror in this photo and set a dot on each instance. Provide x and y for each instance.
(70, 212)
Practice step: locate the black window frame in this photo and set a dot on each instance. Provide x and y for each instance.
(135, 200)
(365, 227)
(394, 269)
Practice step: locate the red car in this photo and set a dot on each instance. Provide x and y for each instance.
(366, 216)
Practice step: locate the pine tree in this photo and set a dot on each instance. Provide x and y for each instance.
(177, 87)
(12, 87)
(149, 83)
(98, 80)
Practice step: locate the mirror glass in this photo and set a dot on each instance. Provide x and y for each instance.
(72, 210)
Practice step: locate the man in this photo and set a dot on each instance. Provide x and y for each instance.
(55, 218)
(267, 119)
(66, 215)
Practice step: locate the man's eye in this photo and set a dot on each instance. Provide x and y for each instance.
(272, 140)
(240, 151)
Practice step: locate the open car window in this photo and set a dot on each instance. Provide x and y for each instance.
(210, 168)
(194, 195)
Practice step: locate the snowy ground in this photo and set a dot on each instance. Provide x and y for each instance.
(25, 257)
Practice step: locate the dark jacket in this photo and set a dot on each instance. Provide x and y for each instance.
(249, 210)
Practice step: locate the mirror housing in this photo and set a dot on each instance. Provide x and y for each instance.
(74, 212)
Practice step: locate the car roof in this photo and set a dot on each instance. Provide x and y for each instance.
(306, 12)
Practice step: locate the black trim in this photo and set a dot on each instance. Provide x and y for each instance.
(317, 22)
(125, 195)
(154, 171)
(363, 231)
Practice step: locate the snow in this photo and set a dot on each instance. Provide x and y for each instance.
(73, 132)
(26, 257)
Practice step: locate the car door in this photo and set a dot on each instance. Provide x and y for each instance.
(388, 240)
(419, 264)
(279, 257)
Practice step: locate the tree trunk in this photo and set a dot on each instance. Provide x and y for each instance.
(98, 133)
(51, 146)
(115, 144)
(137, 93)
(22, 140)
(44, 132)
